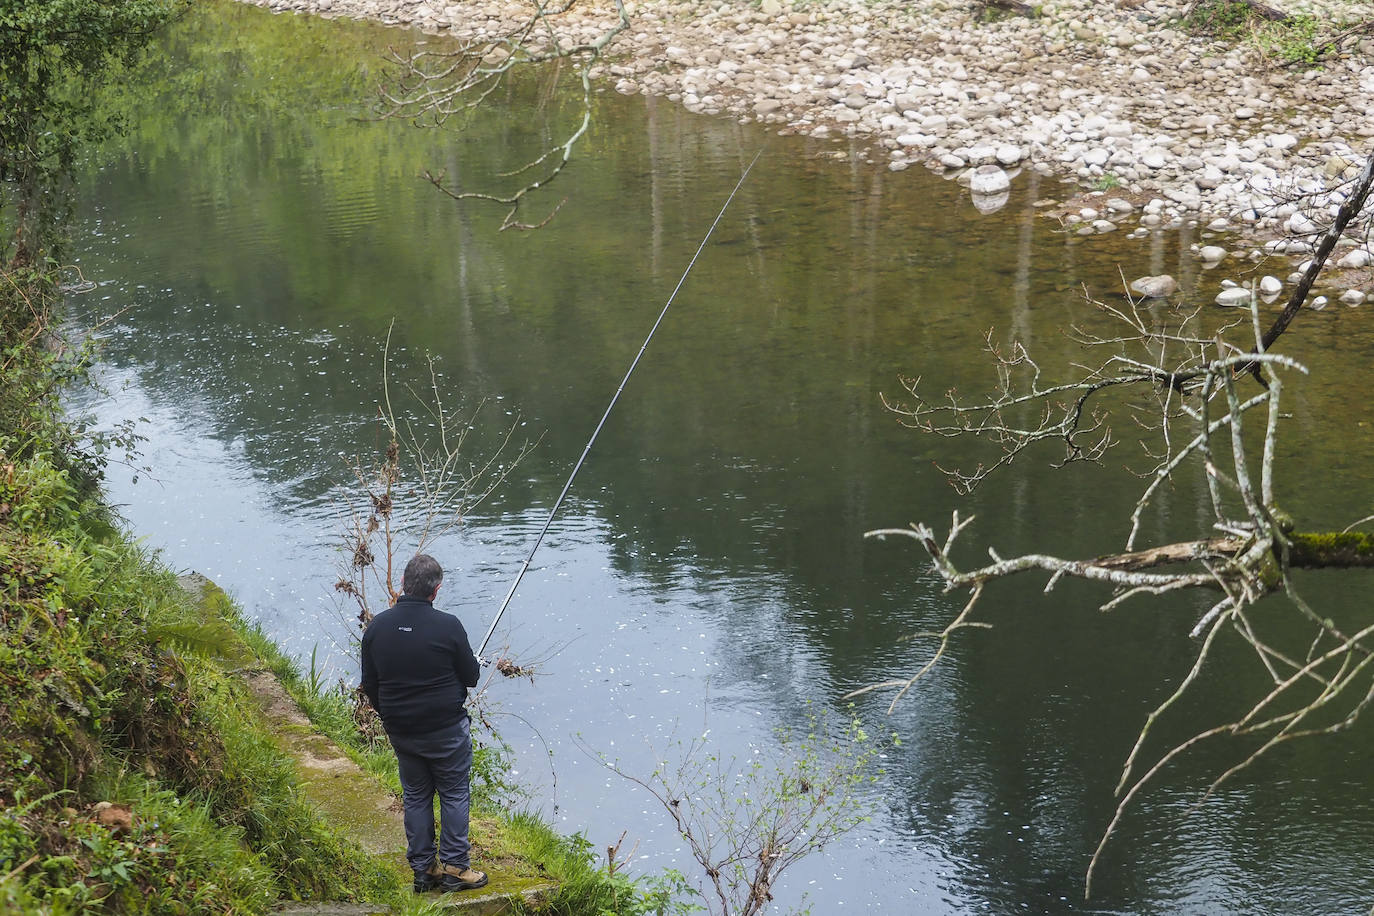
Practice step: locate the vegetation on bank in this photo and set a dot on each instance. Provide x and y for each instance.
(1294, 40)
(136, 774)
(134, 777)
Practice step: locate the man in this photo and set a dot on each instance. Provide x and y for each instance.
(417, 668)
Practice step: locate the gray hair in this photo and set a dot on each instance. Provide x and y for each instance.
(422, 576)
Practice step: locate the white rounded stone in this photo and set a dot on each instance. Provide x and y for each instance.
(982, 154)
(1009, 155)
(988, 179)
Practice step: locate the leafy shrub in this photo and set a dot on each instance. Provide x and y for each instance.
(1293, 40)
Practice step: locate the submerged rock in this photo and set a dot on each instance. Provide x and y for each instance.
(988, 179)
(1156, 287)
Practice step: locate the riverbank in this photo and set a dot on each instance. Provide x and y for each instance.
(148, 760)
(1176, 123)
(132, 775)
(154, 758)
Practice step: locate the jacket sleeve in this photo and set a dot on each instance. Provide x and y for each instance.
(369, 672)
(464, 661)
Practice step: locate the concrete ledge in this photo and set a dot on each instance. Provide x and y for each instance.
(532, 899)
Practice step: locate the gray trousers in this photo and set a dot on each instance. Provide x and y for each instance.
(440, 762)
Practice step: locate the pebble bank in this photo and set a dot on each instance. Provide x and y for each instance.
(1172, 126)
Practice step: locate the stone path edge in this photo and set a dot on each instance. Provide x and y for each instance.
(349, 798)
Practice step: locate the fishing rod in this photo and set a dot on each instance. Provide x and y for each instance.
(539, 539)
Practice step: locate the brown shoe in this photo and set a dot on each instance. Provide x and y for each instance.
(455, 878)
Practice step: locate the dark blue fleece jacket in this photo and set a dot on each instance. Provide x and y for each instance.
(417, 666)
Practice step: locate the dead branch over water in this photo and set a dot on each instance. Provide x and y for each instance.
(1193, 393)
(429, 87)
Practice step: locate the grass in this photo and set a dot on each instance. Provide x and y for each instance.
(113, 690)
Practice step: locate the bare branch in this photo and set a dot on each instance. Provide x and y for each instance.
(1245, 551)
(382, 526)
(429, 87)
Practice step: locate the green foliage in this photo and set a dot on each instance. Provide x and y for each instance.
(174, 858)
(589, 887)
(1294, 40)
(1108, 181)
(54, 57)
(95, 705)
(36, 367)
(1229, 20)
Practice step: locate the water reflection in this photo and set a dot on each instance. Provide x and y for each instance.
(710, 562)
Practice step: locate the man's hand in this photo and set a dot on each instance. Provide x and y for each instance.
(484, 661)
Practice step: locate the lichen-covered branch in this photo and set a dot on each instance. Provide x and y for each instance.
(1331, 550)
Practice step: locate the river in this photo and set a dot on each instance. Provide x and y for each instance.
(708, 574)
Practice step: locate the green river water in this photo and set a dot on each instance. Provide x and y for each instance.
(709, 566)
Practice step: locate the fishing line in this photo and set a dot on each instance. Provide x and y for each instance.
(609, 407)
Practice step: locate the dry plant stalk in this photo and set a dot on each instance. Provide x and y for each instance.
(384, 522)
(1186, 386)
(746, 821)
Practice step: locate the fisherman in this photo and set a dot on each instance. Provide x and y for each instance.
(417, 668)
